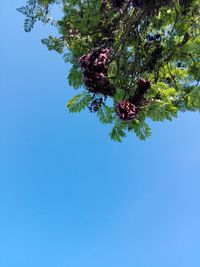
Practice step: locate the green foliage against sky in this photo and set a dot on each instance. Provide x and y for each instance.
(154, 41)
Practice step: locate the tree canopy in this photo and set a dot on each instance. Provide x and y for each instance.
(131, 60)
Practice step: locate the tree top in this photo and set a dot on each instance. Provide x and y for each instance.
(131, 60)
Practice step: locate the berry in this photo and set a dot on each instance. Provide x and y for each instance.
(137, 3)
(96, 104)
(118, 3)
(168, 80)
(154, 38)
(126, 110)
(179, 64)
(94, 66)
(159, 96)
(144, 84)
(103, 4)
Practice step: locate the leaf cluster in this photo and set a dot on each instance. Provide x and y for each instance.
(156, 40)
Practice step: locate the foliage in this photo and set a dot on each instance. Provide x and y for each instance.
(79, 102)
(149, 42)
(36, 10)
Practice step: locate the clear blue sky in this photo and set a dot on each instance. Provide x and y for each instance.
(70, 197)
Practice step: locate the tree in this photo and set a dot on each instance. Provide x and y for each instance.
(143, 55)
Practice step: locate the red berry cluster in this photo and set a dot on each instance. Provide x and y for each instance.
(143, 86)
(126, 110)
(94, 66)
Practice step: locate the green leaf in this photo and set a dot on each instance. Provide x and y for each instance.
(79, 102)
(140, 128)
(194, 98)
(75, 78)
(105, 114)
(118, 132)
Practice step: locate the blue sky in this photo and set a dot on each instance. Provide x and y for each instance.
(70, 197)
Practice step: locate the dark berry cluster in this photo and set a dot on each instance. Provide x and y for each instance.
(155, 41)
(96, 104)
(103, 4)
(137, 3)
(154, 38)
(126, 110)
(134, 3)
(117, 3)
(94, 66)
